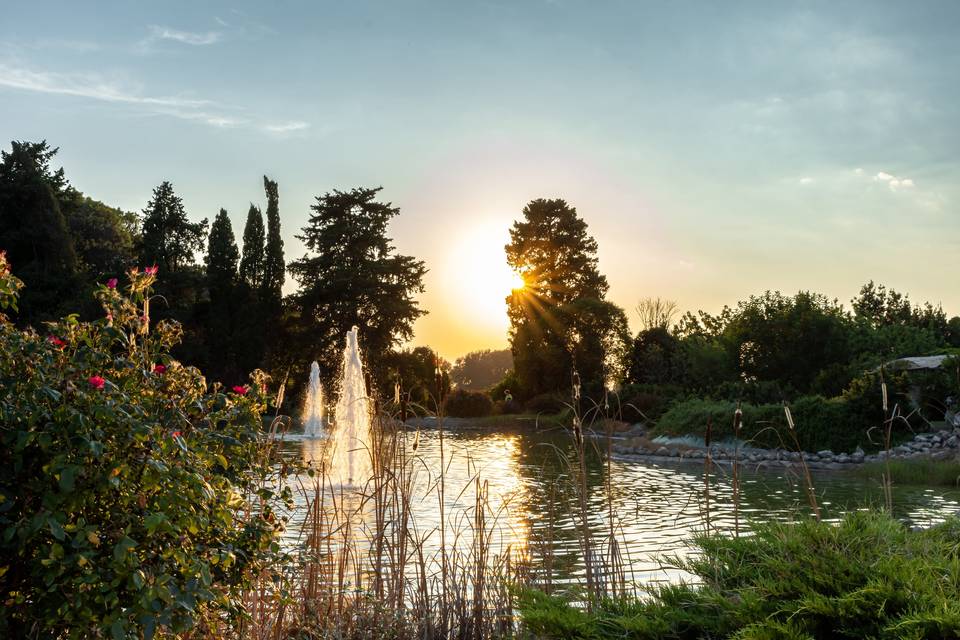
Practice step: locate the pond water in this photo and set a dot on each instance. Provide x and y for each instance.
(653, 508)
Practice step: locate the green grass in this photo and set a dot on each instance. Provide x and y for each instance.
(919, 471)
(867, 577)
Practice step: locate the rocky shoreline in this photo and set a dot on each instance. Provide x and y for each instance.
(937, 445)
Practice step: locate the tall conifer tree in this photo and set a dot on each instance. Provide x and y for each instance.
(252, 264)
(274, 268)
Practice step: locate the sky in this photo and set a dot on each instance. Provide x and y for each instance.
(715, 150)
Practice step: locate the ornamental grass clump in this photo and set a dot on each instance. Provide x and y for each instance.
(131, 491)
(867, 576)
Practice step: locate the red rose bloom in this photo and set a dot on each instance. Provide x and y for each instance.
(159, 369)
(240, 390)
(96, 382)
(112, 283)
(57, 342)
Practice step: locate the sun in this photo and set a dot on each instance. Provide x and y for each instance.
(480, 275)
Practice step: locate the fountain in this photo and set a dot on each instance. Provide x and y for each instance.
(350, 440)
(313, 405)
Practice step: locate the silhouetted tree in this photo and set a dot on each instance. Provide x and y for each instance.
(34, 232)
(352, 275)
(221, 263)
(222, 256)
(560, 322)
(252, 264)
(274, 267)
(170, 240)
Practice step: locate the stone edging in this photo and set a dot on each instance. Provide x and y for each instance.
(937, 445)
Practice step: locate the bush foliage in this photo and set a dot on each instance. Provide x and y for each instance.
(125, 481)
(836, 424)
(867, 577)
(462, 403)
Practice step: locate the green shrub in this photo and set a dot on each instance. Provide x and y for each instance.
(462, 403)
(548, 403)
(644, 402)
(867, 577)
(124, 479)
(836, 424)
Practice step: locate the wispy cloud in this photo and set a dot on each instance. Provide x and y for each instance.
(286, 127)
(158, 32)
(95, 87)
(86, 86)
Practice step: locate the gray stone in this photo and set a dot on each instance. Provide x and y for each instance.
(952, 442)
(663, 451)
(843, 458)
(826, 453)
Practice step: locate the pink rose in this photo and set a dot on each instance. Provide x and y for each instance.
(96, 382)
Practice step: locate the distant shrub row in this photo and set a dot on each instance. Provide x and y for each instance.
(837, 424)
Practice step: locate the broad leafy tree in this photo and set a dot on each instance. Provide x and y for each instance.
(353, 275)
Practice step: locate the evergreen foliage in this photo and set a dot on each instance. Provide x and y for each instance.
(274, 267)
(170, 240)
(253, 263)
(352, 276)
(34, 231)
(560, 323)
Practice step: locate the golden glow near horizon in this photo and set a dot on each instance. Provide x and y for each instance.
(482, 277)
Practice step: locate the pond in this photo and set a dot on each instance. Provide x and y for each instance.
(651, 508)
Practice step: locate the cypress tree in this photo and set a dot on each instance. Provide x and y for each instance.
(222, 255)
(221, 263)
(252, 264)
(274, 268)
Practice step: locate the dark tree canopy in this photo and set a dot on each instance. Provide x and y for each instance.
(222, 254)
(170, 240)
(34, 231)
(352, 275)
(274, 267)
(560, 322)
(252, 264)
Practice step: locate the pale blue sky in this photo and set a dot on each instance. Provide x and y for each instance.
(715, 149)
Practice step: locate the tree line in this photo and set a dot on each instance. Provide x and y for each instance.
(227, 296)
(564, 332)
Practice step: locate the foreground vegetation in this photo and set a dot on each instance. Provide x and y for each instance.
(133, 497)
(868, 576)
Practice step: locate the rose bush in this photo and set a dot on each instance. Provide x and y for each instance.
(132, 493)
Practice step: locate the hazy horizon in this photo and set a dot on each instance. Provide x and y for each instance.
(714, 151)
